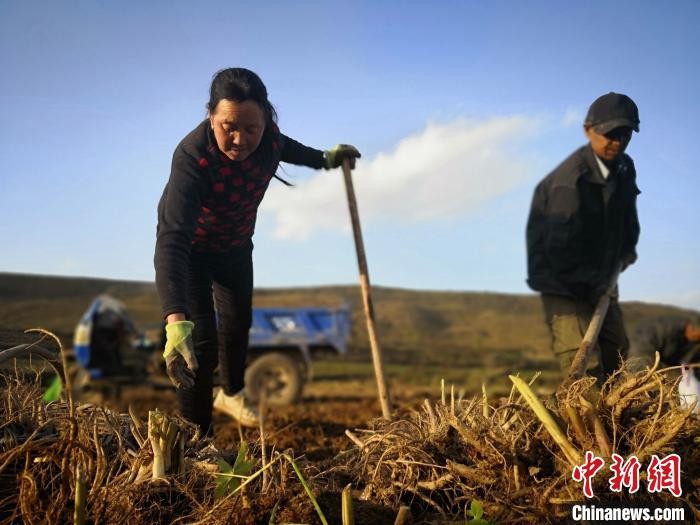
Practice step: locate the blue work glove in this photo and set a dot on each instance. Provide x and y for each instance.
(335, 156)
(180, 361)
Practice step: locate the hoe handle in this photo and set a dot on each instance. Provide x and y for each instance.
(377, 359)
(578, 365)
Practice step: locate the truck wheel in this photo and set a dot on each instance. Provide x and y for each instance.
(277, 374)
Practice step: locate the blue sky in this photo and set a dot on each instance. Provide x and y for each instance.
(459, 108)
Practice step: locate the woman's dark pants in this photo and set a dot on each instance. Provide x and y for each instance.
(221, 337)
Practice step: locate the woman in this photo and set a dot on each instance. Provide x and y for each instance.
(206, 218)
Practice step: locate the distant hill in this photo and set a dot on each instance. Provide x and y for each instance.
(415, 327)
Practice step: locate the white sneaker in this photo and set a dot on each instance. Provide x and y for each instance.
(238, 407)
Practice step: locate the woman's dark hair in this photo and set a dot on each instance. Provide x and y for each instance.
(240, 84)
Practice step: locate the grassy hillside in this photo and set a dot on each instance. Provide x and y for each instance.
(415, 327)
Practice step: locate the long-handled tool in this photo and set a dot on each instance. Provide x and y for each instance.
(384, 396)
(578, 365)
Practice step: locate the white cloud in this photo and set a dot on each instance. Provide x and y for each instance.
(572, 117)
(445, 171)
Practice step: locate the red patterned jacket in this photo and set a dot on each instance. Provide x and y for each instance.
(210, 202)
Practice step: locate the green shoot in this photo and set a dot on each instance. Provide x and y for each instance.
(53, 391)
(476, 511)
(229, 479)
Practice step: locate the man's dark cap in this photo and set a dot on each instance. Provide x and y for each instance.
(612, 111)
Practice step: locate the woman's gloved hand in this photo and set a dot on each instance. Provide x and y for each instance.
(334, 157)
(180, 360)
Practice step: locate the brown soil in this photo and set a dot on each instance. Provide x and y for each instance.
(314, 429)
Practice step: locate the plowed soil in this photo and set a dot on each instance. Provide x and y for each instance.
(314, 427)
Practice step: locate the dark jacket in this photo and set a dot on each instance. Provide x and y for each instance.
(581, 226)
(210, 203)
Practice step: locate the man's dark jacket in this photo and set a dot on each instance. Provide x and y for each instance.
(581, 226)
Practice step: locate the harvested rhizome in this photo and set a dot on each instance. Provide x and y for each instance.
(443, 462)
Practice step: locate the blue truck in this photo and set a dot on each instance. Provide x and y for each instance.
(283, 344)
(110, 352)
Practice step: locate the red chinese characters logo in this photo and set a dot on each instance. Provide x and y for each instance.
(665, 474)
(587, 471)
(625, 474)
(661, 474)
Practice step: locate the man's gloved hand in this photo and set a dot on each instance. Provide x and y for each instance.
(599, 291)
(334, 157)
(627, 260)
(180, 360)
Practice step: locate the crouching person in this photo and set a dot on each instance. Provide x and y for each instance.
(206, 218)
(675, 337)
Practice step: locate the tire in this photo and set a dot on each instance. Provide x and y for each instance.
(279, 374)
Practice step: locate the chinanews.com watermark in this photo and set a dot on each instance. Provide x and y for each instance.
(611, 513)
(662, 474)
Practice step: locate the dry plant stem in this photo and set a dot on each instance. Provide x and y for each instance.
(348, 513)
(137, 428)
(544, 496)
(431, 415)
(657, 414)
(484, 402)
(358, 442)
(474, 475)
(263, 450)
(12, 454)
(436, 484)
(469, 436)
(626, 386)
(601, 436)
(79, 513)
(668, 436)
(572, 455)
(576, 423)
(404, 516)
(627, 399)
(136, 421)
(100, 461)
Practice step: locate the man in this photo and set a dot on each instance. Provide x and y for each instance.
(675, 337)
(583, 225)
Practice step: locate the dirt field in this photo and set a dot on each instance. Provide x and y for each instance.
(315, 427)
(314, 431)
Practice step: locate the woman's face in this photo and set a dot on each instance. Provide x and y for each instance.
(238, 127)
